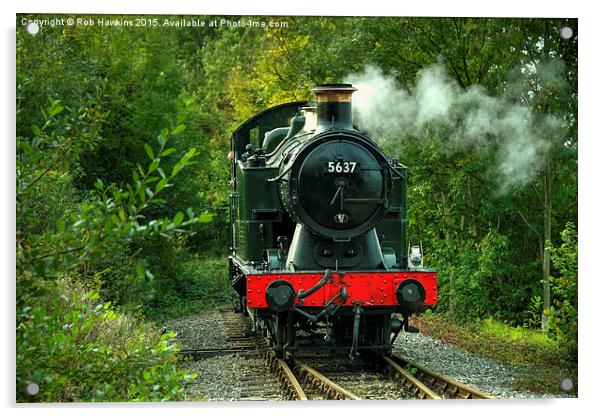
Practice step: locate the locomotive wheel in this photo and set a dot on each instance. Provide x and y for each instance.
(278, 331)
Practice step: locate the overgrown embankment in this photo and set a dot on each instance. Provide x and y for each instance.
(546, 361)
(73, 346)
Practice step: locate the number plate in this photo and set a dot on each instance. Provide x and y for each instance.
(341, 167)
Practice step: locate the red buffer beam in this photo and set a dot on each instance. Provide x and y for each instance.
(367, 288)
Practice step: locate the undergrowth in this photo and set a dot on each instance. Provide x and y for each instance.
(201, 284)
(76, 347)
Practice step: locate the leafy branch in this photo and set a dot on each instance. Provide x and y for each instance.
(109, 213)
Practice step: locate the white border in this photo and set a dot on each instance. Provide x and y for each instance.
(507, 8)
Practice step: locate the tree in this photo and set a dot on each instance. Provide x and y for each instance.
(552, 90)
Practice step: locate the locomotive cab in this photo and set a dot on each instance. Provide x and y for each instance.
(318, 221)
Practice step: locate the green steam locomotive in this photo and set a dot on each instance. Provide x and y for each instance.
(319, 251)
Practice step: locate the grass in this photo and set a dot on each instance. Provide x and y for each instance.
(545, 380)
(542, 359)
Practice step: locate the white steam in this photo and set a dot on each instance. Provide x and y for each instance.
(462, 119)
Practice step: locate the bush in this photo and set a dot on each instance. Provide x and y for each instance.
(72, 345)
(114, 275)
(481, 279)
(78, 348)
(198, 283)
(563, 311)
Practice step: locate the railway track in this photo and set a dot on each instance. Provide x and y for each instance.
(334, 377)
(393, 378)
(327, 377)
(284, 373)
(428, 384)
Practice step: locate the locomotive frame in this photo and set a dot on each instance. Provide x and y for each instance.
(318, 240)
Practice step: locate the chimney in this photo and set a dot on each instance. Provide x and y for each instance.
(334, 106)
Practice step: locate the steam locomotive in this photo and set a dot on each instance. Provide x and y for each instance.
(320, 257)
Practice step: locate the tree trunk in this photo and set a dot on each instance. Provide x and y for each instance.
(547, 214)
(547, 235)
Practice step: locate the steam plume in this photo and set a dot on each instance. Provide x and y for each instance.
(463, 119)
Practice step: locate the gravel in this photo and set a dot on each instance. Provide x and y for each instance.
(224, 377)
(232, 377)
(203, 330)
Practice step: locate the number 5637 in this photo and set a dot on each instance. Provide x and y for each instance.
(341, 167)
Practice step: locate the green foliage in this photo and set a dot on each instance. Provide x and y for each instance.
(563, 311)
(92, 151)
(76, 347)
(108, 214)
(196, 284)
(534, 320)
(72, 345)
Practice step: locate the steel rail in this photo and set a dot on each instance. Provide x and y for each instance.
(436, 381)
(283, 371)
(326, 385)
(410, 382)
(213, 351)
(292, 382)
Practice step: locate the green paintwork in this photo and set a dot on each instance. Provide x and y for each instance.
(257, 214)
(394, 225)
(256, 206)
